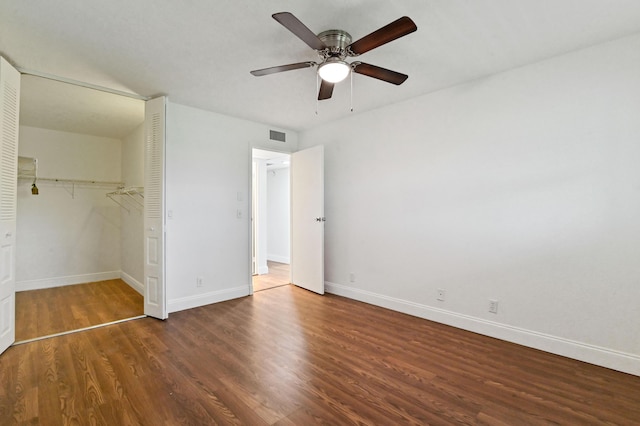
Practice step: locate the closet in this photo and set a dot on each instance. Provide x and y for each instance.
(80, 189)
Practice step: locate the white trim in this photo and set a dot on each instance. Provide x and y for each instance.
(609, 358)
(62, 281)
(133, 283)
(263, 270)
(278, 258)
(197, 300)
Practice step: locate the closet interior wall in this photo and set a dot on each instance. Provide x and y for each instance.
(71, 234)
(132, 221)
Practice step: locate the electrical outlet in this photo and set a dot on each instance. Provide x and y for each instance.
(493, 306)
(352, 277)
(199, 281)
(441, 294)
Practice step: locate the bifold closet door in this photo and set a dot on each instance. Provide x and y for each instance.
(155, 303)
(9, 122)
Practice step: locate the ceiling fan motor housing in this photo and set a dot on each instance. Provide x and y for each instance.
(336, 42)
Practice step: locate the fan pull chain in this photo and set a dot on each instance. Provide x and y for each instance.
(317, 90)
(351, 75)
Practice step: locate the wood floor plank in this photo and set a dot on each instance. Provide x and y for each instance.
(48, 395)
(287, 356)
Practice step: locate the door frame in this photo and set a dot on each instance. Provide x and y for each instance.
(23, 71)
(252, 206)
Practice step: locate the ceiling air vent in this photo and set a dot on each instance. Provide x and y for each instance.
(277, 136)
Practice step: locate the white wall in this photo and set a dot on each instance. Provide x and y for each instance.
(133, 157)
(278, 213)
(66, 235)
(522, 187)
(132, 224)
(208, 170)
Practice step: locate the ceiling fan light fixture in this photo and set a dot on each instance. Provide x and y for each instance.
(334, 70)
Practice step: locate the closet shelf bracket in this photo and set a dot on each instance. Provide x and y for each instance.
(127, 198)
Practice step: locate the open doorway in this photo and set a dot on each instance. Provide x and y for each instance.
(79, 246)
(271, 223)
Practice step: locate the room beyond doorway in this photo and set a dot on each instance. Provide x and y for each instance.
(278, 276)
(270, 219)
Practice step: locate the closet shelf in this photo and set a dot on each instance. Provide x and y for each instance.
(28, 169)
(126, 198)
(74, 181)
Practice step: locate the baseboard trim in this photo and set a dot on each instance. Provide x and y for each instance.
(207, 298)
(616, 360)
(263, 270)
(69, 280)
(279, 259)
(133, 283)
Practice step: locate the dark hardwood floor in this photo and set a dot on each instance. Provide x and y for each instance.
(72, 307)
(290, 357)
(278, 275)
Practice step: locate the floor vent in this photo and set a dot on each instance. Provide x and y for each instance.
(277, 136)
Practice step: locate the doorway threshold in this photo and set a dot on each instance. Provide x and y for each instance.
(270, 288)
(35, 339)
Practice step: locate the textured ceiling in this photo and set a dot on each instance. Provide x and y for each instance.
(199, 52)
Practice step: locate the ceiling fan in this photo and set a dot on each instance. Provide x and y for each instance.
(334, 46)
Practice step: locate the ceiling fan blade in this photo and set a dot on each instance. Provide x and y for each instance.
(398, 28)
(326, 90)
(380, 73)
(300, 30)
(281, 68)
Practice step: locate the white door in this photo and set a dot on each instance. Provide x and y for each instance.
(9, 116)
(307, 219)
(155, 304)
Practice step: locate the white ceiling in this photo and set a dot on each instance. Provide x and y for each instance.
(274, 160)
(200, 52)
